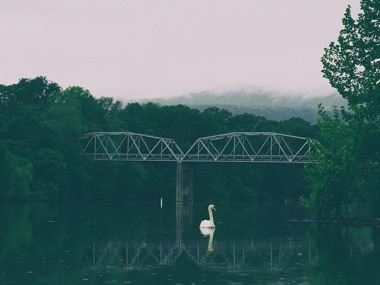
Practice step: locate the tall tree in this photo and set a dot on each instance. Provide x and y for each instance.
(352, 64)
(349, 168)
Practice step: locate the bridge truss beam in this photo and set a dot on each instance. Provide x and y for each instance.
(256, 147)
(127, 146)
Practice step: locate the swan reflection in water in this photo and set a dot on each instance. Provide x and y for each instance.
(210, 233)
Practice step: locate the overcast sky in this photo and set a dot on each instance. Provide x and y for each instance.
(144, 49)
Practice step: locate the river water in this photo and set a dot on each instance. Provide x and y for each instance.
(153, 243)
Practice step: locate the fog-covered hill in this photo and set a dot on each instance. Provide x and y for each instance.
(271, 105)
(254, 97)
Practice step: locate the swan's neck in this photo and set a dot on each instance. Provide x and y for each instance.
(211, 216)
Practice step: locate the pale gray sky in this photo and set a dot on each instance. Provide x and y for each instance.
(159, 48)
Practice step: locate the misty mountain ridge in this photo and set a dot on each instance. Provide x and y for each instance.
(271, 105)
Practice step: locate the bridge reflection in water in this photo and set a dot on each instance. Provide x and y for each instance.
(203, 250)
(242, 256)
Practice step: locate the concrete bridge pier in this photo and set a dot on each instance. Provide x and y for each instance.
(184, 182)
(184, 219)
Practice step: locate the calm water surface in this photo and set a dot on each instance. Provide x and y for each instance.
(146, 244)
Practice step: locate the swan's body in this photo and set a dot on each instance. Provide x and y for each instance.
(209, 223)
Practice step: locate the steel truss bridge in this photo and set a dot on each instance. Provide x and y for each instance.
(255, 147)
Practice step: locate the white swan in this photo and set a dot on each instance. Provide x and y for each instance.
(209, 223)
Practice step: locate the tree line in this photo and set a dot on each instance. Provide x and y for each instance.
(42, 157)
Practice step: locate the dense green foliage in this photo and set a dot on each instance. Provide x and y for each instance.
(41, 157)
(349, 172)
